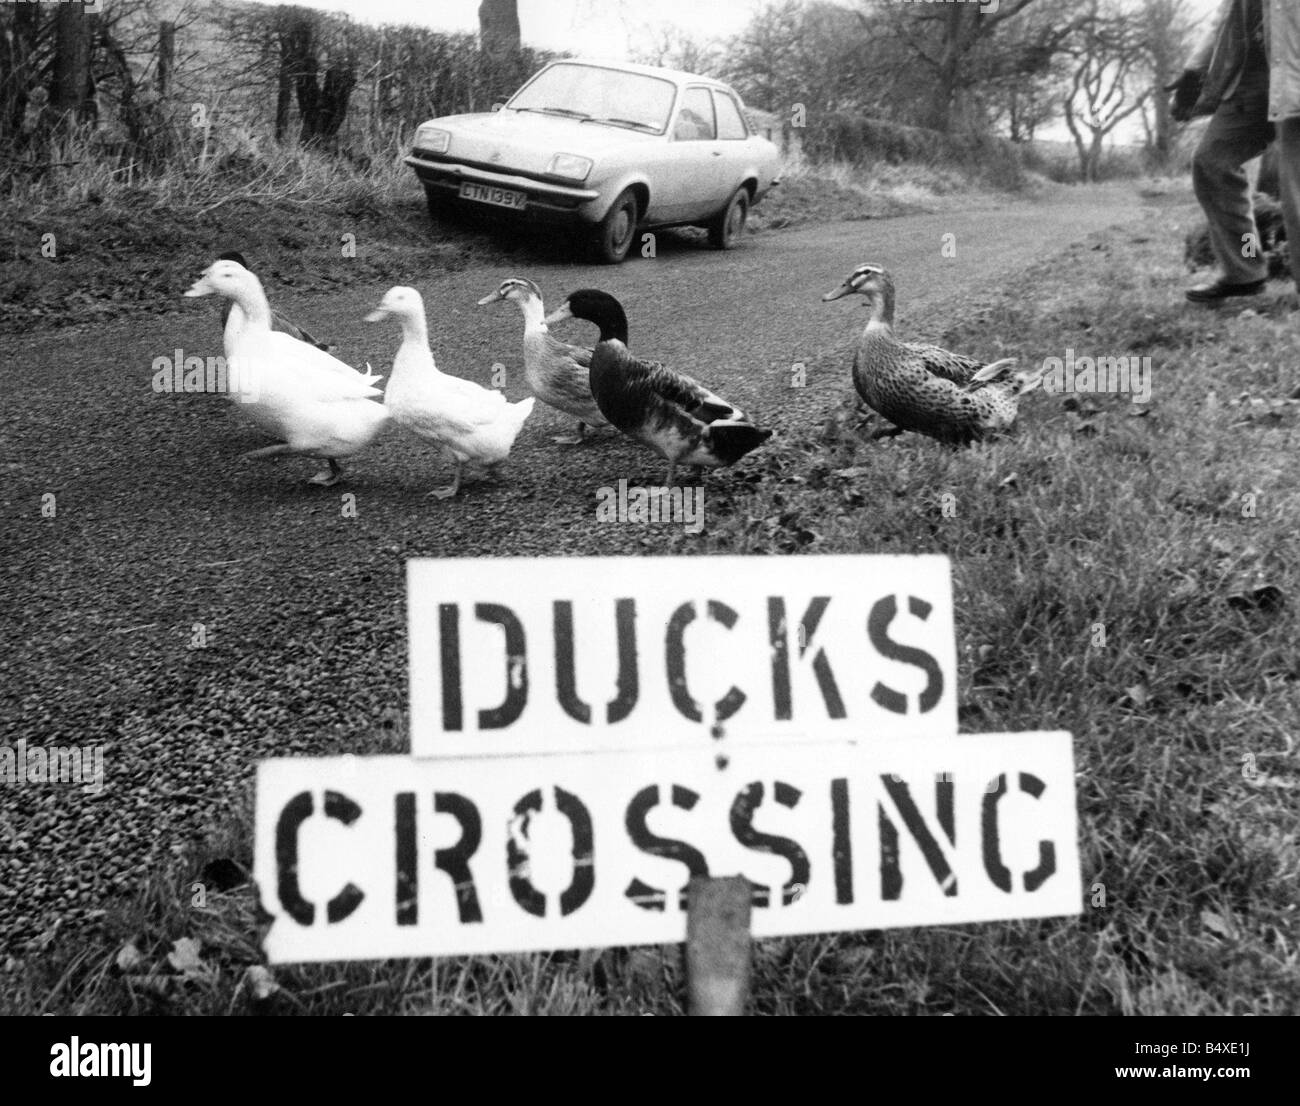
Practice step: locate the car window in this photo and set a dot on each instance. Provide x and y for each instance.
(731, 124)
(595, 94)
(695, 120)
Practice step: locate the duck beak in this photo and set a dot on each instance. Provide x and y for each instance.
(200, 287)
(378, 313)
(559, 314)
(835, 293)
(491, 297)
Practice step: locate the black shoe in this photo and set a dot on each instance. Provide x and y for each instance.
(1221, 290)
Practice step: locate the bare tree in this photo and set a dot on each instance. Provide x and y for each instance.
(945, 37)
(498, 22)
(1105, 87)
(1165, 30)
(674, 47)
(72, 92)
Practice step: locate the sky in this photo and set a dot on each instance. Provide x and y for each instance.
(595, 28)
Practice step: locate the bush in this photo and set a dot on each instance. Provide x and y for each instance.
(864, 142)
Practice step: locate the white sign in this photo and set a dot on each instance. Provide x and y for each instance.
(566, 654)
(390, 856)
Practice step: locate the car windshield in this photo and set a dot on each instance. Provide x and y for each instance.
(594, 94)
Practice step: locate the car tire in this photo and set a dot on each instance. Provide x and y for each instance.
(727, 227)
(617, 229)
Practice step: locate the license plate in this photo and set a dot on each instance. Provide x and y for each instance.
(489, 194)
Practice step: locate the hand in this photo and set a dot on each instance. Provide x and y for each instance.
(1186, 90)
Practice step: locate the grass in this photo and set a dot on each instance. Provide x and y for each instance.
(1106, 564)
(823, 191)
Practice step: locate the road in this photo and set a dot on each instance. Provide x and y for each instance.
(192, 616)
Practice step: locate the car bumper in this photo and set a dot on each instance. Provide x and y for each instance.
(547, 201)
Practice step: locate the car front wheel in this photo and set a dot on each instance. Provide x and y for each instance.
(618, 228)
(726, 228)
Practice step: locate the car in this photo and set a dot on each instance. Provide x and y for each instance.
(607, 148)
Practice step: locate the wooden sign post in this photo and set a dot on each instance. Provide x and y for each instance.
(717, 945)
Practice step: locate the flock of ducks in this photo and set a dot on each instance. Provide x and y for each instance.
(290, 385)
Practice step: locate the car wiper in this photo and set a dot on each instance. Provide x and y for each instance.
(616, 121)
(562, 111)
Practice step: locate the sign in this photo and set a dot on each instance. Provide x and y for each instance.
(529, 655)
(389, 856)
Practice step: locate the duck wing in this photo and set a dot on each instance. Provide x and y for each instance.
(684, 392)
(580, 355)
(943, 363)
(292, 365)
(284, 326)
(455, 408)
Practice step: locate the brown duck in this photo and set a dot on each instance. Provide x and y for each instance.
(924, 388)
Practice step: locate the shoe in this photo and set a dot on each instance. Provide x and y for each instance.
(1222, 290)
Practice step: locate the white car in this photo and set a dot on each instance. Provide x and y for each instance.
(606, 147)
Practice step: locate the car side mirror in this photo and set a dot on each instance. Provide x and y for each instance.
(498, 105)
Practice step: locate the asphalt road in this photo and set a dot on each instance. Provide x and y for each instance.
(159, 537)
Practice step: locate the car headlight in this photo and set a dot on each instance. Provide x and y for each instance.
(433, 139)
(570, 166)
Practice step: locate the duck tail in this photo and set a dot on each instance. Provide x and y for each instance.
(523, 408)
(731, 441)
(989, 373)
(1028, 381)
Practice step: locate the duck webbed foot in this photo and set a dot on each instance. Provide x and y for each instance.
(328, 477)
(452, 488)
(886, 432)
(576, 438)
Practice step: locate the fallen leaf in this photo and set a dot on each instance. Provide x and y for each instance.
(129, 958)
(1217, 924)
(185, 957)
(261, 982)
(1139, 693)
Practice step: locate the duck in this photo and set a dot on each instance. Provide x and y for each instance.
(662, 408)
(475, 425)
(278, 321)
(923, 388)
(314, 403)
(558, 373)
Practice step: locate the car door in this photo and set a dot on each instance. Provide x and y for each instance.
(733, 143)
(695, 170)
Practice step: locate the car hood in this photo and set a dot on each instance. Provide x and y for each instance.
(527, 140)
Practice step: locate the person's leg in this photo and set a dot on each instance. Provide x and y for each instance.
(1238, 131)
(1288, 177)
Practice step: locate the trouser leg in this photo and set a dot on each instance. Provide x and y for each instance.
(1237, 132)
(1288, 174)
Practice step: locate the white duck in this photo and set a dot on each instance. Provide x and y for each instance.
(315, 403)
(557, 372)
(472, 423)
